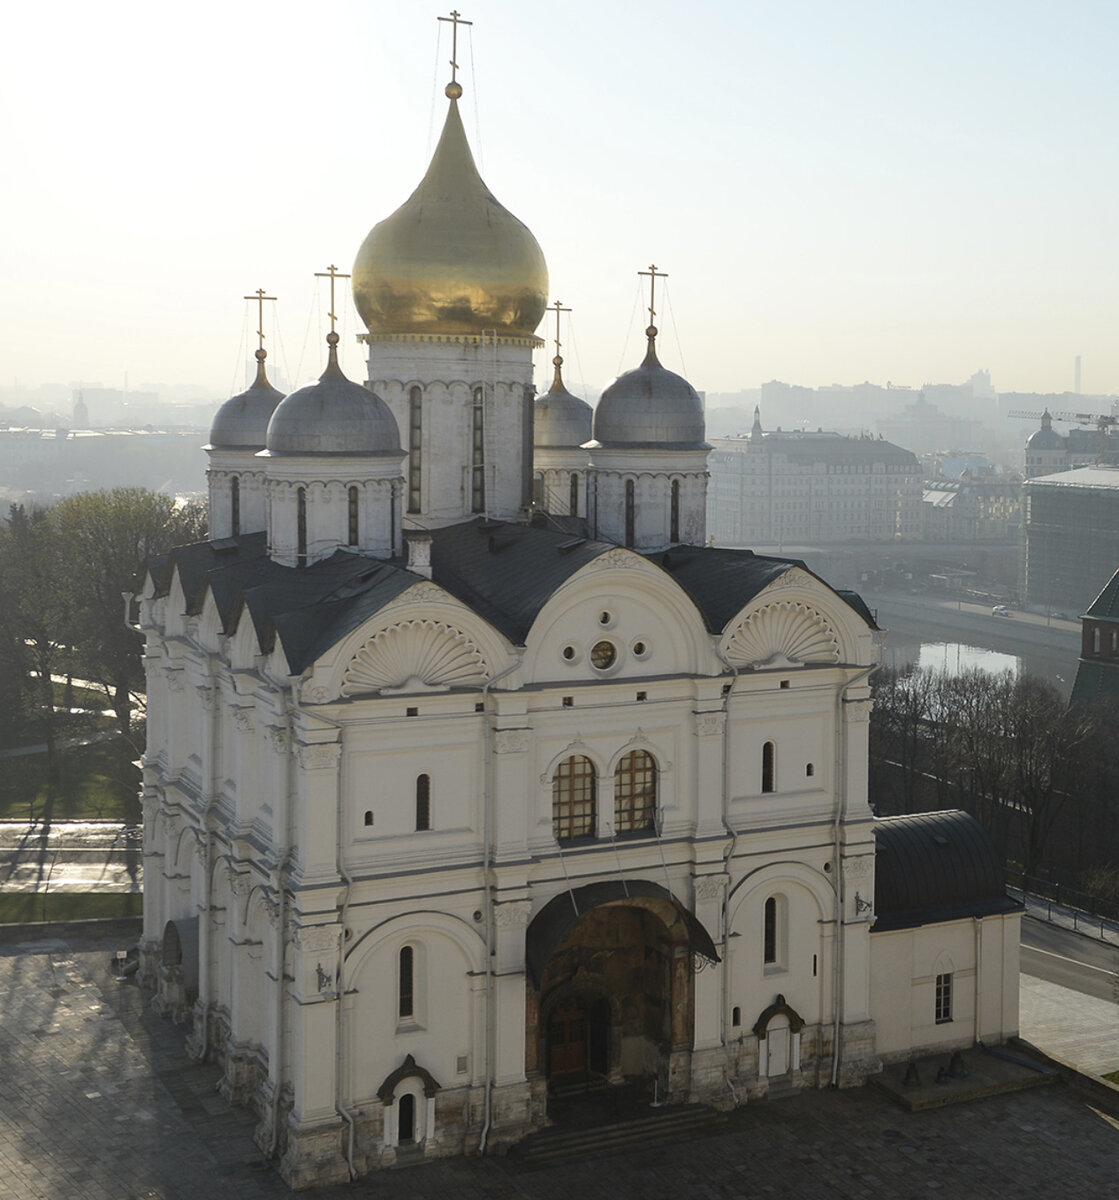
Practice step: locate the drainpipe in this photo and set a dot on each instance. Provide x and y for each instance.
(283, 855)
(837, 868)
(487, 903)
(978, 924)
(732, 846)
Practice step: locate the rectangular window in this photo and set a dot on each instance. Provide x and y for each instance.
(943, 999)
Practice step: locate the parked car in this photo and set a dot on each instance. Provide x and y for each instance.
(1000, 610)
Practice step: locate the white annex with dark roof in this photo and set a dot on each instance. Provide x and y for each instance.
(472, 770)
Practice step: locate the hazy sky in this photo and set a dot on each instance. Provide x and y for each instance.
(839, 191)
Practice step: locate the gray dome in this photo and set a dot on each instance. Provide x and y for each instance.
(333, 416)
(650, 407)
(1045, 438)
(242, 421)
(561, 421)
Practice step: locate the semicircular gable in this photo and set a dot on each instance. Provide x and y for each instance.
(782, 633)
(419, 654)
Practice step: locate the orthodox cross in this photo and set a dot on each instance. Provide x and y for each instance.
(455, 21)
(654, 275)
(332, 273)
(260, 298)
(558, 308)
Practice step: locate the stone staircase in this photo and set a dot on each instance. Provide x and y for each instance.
(658, 1127)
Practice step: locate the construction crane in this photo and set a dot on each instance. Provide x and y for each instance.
(1102, 421)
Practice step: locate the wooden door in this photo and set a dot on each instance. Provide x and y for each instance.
(567, 1037)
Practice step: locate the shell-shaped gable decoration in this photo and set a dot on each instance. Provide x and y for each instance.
(783, 634)
(415, 656)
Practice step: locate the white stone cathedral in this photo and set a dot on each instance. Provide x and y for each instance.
(471, 769)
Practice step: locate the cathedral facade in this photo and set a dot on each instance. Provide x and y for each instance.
(472, 769)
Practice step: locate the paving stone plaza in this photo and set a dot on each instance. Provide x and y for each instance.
(98, 1101)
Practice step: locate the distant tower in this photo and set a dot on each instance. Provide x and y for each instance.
(1076, 385)
(81, 413)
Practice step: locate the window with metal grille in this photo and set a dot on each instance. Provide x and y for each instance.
(415, 443)
(635, 792)
(573, 799)
(478, 453)
(406, 994)
(943, 999)
(423, 802)
(351, 511)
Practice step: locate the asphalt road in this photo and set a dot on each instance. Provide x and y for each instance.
(1070, 959)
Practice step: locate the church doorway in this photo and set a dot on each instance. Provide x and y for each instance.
(578, 1037)
(406, 1118)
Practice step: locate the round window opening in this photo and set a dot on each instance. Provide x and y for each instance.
(569, 652)
(639, 648)
(605, 617)
(603, 655)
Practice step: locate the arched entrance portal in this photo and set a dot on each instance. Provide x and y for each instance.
(613, 994)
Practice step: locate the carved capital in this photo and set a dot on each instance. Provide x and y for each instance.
(708, 724)
(316, 939)
(175, 679)
(244, 719)
(319, 757)
(710, 887)
(208, 696)
(512, 741)
(512, 913)
(278, 738)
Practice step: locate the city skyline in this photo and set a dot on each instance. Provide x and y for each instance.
(836, 193)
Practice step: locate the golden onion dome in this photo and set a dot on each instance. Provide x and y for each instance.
(451, 261)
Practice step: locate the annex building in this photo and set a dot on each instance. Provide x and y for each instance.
(451, 795)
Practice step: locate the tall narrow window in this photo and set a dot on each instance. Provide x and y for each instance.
(769, 931)
(235, 505)
(351, 511)
(478, 453)
(573, 799)
(1096, 640)
(943, 999)
(415, 443)
(406, 987)
(423, 802)
(301, 525)
(635, 792)
(629, 512)
(769, 757)
(674, 513)
(573, 504)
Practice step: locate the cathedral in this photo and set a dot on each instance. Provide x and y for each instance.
(473, 769)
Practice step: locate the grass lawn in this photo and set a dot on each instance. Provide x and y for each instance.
(1112, 1077)
(95, 785)
(21, 907)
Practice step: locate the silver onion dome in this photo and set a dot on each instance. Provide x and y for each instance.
(560, 420)
(333, 416)
(242, 421)
(650, 407)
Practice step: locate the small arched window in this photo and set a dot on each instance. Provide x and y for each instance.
(635, 792)
(573, 504)
(235, 505)
(301, 525)
(769, 767)
(769, 931)
(573, 799)
(630, 502)
(351, 513)
(423, 802)
(674, 516)
(1096, 640)
(406, 982)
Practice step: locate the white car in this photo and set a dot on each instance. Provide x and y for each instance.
(1000, 610)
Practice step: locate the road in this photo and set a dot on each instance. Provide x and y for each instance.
(1070, 959)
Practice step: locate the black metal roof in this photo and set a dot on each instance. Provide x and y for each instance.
(505, 573)
(932, 867)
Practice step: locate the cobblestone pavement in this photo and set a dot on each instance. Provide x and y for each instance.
(98, 1101)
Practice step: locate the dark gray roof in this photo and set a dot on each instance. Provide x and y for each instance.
(505, 573)
(932, 867)
(1105, 607)
(1095, 680)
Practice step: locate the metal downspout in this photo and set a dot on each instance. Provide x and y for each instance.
(204, 973)
(487, 903)
(724, 1023)
(837, 866)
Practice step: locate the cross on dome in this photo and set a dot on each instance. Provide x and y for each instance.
(260, 298)
(332, 273)
(454, 89)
